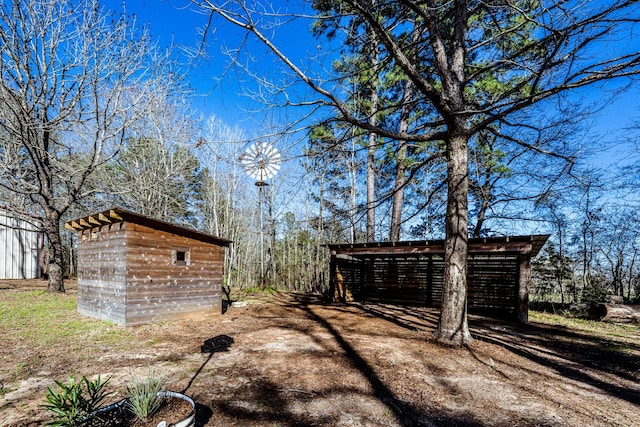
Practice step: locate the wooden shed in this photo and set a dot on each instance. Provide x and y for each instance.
(21, 245)
(133, 269)
(498, 273)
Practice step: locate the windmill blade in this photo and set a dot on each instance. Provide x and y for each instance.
(261, 161)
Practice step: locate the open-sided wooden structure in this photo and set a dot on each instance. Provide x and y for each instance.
(133, 269)
(498, 273)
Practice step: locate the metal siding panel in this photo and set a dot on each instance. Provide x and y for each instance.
(18, 259)
(4, 243)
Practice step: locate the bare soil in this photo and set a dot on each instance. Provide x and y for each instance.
(292, 360)
(170, 411)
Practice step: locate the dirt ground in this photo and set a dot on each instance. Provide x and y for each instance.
(292, 360)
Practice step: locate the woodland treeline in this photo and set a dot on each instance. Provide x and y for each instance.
(97, 115)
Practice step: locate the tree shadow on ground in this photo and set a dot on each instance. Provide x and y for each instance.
(264, 400)
(405, 413)
(578, 356)
(574, 355)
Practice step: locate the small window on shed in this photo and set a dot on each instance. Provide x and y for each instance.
(181, 256)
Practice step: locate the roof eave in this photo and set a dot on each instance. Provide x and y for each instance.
(116, 215)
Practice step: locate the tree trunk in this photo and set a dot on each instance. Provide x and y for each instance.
(272, 239)
(371, 189)
(400, 178)
(372, 145)
(319, 232)
(560, 274)
(54, 258)
(481, 217)
(353, 195)
(453, 328)
(621, 313)
(398, 193)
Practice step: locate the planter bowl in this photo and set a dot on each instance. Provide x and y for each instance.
(188, 421)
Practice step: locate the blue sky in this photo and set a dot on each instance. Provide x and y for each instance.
(177, 21)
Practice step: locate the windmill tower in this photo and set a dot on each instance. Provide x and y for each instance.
(261, 162)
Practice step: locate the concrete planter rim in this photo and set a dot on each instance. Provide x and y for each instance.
(188, 421)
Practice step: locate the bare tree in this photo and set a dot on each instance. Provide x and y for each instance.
(479, 64)
(73, 79)
(157, 172)
(226, 205)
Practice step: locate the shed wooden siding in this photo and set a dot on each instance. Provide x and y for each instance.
(129, 273)
(492, 281)
(157, 289)
(413, 273)
(102, 273)
(21, 241)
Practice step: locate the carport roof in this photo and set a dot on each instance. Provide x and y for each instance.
(529, 245)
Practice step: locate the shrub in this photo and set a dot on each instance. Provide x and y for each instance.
(75, 402)
(143, 395)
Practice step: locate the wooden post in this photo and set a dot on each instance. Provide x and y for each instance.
(332, 273)
(364, 278)
(430, 281)
(524, 284)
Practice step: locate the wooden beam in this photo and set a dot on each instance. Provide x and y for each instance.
(114, 214)
(524, 248)
(93, 220)
(102, 217)
(84, 223)
(76, 226)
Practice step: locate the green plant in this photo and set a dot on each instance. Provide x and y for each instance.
(143, 395)
(75, 402)
(256, 290)
(28, 316)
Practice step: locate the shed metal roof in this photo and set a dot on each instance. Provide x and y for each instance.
(20, 214)
(116, 215)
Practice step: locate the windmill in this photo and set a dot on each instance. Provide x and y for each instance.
(261, 162)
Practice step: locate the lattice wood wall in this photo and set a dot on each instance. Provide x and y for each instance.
(492, 280)
(413, 273)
